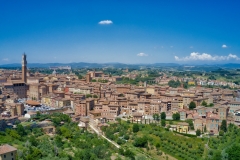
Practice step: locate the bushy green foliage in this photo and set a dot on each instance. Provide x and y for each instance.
(151, 135)
(227, 144)
(70, 142)
(224, 126)
(198, 132)
(140, 141)
(163, 115)
(95, 96)
(176, 116)
(190, 122)
(127, 153)
(234, 152)
(156, 117)
(192, 105)
(204, 103)
(163, 123)
(135, 128)
(221, 133)
(88, 96)
(174, 84)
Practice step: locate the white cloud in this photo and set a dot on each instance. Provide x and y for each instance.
(105, 22)
(5, 59)
(206, 57)
(224, 46)
(142, 54)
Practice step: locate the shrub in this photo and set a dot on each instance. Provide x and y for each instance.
(126, 137)
(140, 141)
(221, 133)
(176, 116)
(135, 128)
(163, 115)
(198, 132)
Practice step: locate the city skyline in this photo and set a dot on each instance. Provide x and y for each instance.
(120, 31)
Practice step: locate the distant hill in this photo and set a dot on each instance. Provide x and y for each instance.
(116, 65)
(88, 65)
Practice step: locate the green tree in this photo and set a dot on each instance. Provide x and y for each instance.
(156, 117)
(80, 76)
(163, 115)
(190, 122)
(205, 129)
(174, 84)
(38, 114)
(126, 137)
(163, 123)
(129, 154)
(185, 85)
(192, 105)
(13, 134)
(221, 133)
(176, 116)
(135, 128)
(33, 141)
(95, 96)
(198, 132)
(56, 121)
(204, 103)
(211, 105)
(234, 152)
(65, 132)
(20, 130)
(217, 155)
(224, 126)
(212, 77)
(140, 141)
(88, 96)
(121, 95)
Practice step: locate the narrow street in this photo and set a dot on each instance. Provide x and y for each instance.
(99, 133)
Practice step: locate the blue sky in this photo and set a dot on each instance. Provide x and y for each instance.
(166, 31)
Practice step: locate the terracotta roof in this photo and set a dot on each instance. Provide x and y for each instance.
(6, 149)
(33, 103)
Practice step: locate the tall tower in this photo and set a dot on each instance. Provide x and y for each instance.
(24, 68)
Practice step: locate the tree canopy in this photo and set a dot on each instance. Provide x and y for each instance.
(135, 128)
(224, 126)
(163, 115)
(176, 116)
(174, 84)
(192, 105)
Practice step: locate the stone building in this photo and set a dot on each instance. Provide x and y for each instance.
(8, 152)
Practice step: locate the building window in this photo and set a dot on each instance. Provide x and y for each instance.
(4, 156)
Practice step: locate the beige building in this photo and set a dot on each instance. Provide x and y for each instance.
(7, 152)
(36, 91)
(16, 86)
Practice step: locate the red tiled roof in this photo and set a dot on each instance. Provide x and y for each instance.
(6, 149)
(33, 103)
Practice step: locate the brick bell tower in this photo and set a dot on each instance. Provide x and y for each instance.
(24, 68)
